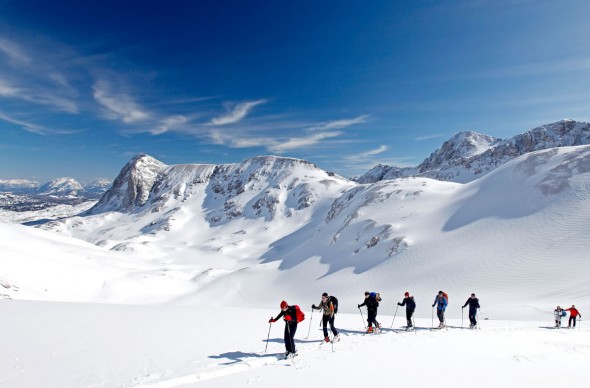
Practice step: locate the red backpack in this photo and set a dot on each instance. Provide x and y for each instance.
(300, 314)
(446, 296)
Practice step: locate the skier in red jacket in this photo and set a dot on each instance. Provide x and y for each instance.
(289, 314)
(573, 314)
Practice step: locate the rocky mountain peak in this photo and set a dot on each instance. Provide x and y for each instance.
(132, 186)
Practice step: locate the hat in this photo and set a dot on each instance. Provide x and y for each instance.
(325, 294)
(407, 293)
(284, 304)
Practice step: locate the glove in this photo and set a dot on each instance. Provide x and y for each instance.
(358, 306)
(313, 306)
(399, 304)
(288, 318)
(462, 307)
(432, 305)
(272, 320)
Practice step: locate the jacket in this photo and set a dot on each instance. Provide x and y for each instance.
(408, 302)
(441, 302)
(290, 315)
(371, 303)
(473, 303)
(326, 307)
(574, 312)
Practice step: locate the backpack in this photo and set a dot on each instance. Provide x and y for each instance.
(376, 296)
(446, 296)
(563, 313)
(334, 301)
(299, 313)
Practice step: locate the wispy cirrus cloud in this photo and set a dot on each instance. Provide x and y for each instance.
(33, 128)
(430, 137)
(339, 124)
(13, 51)
(118, 105)
(302, 141)
(35, 75)
(236, 113)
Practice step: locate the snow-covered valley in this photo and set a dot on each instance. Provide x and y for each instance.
(169, 280)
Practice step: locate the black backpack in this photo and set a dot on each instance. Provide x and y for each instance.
(334, 301)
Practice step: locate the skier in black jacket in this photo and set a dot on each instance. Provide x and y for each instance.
(290, 314)
(410, 308)
(372, 304)
(473, 303)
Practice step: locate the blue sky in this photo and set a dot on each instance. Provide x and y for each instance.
(86, 85)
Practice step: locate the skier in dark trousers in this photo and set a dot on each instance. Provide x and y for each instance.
(372, 303)
(410, 308)
(327, 307)
(573, 314)
(290, 317)
(441, 305)
(473, 303)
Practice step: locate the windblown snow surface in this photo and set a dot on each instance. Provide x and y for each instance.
(182, 296)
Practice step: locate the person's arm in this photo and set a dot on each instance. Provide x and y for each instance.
(466, 303)
(403, 303)
(271, 320)
(363, 304)
(314, 307)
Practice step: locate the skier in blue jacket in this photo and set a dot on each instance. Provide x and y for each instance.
(441, 303)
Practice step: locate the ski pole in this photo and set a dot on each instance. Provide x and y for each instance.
(310, 319)
(414, 322)
(268, 336)
(394, 317)
(363, 318)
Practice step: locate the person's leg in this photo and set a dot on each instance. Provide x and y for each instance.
(293, 329)
(569, 323)
(325, 324)
(332, 327)
(287, 338)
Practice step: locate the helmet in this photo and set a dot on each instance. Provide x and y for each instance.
(284, 304)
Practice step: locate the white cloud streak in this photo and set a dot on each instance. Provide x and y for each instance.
(118, 105)
(339, 124)
(237, 113)
(430, 137)
(13, 51)
(304, 141)
(33, 128)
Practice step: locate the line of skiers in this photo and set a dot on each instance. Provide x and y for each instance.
(292, 315)
(560, 313)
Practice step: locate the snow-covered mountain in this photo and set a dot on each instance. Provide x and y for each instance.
(97, 187)
(18, 186)
(470, 155)
(61, 187)
(234, 232)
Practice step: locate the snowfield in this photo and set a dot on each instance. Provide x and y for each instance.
(171, 278)
(58, 345)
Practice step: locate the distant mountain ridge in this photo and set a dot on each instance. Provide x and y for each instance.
(470, 155)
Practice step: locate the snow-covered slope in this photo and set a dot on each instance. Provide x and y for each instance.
(470, 155)
(236, 233)
(62, 187)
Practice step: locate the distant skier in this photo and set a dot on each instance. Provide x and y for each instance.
(410, 308)
(558, 313)
(329, 309)
(441, 303)
(473, 303)
(372, 300)
(574, 313)
(291, 314)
